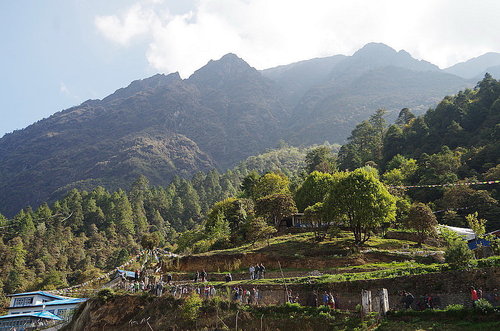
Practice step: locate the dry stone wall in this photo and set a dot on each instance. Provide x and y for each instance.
(451, 287)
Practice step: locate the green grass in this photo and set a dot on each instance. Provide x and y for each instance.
(391, 270)
(342, 277)
(305, 244)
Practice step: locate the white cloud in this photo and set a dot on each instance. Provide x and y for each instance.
(135, 21)
(271, 32)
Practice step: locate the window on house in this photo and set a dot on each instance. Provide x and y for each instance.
(19, 302)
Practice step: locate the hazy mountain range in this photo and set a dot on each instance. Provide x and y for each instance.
(226, 111)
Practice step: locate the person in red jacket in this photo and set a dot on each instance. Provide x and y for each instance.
(473, 295)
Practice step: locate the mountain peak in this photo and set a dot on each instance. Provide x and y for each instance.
(375, 55)
(231, 57)
(230, 65)
(228, 61)
(378, 49)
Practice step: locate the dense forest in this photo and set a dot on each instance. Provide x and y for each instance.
(361, 186)
(87, 232)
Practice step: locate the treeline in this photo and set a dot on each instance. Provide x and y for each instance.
(459, 141)
(79, 236)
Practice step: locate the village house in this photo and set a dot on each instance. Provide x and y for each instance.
(35, 309)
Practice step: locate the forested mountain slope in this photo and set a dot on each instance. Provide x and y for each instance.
(439, 154)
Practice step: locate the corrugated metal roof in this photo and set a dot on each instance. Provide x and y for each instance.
(129, 274)
(42, 314)
(37, 293)
(468, 234)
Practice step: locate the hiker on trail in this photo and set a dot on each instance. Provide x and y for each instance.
(256, 296)
(407, 299)
(229, 278)
(196, 276)
(428, 301)
(331, 301)
(169, 278)
(246, 296)
(235, 294)
(159, 289)
(325, 298)
(240, 293)
(136, 275)
(213, 291)
(289, 297)
(251, 270)
(473, 295)
(203, 276)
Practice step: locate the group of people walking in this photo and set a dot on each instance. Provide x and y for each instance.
(200, 276)
(257, 271)
(329, 300)
(250, 297)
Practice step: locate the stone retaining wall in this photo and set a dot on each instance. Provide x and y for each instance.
(452, 287)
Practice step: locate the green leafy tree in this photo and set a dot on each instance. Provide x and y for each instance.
(457, 255)
(232, 209)
(422, 220)
(365, 143)
(275, 207)
(151, 240)
(271, 183)
(361, 201)
(256, 229)
(320, 159)
(313, 190)
(405, 116)
(315, 215)
(478, 225)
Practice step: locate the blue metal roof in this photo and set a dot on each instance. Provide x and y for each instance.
(129, 274)
(37, 293)
(64, 302)
(42, 314)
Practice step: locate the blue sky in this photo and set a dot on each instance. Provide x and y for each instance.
(53, 57)
(59, 53)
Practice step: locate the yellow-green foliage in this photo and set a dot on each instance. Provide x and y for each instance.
(191, 306)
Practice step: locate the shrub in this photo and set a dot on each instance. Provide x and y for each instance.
(458, 255)
(292, 307)
(484, 307)
(202, 246)
(105, 294)
(191, 306)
